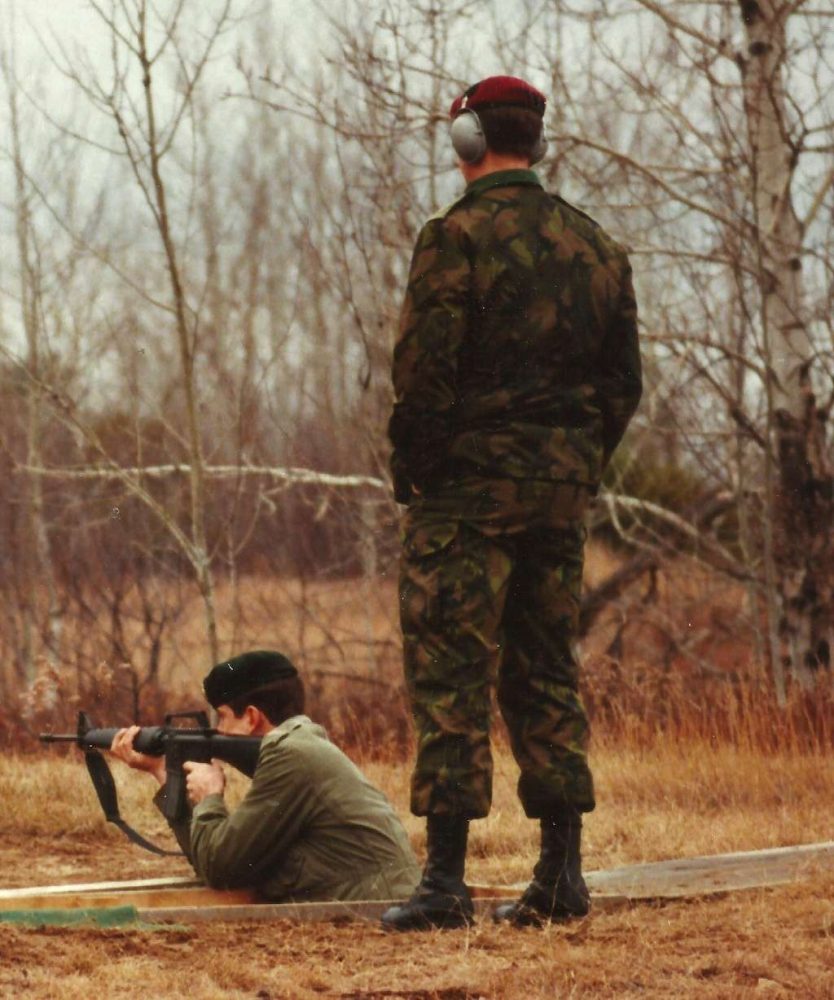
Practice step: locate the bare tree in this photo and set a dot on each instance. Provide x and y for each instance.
(782, 129)
(221, 321)
(141, 38)
(36, 564)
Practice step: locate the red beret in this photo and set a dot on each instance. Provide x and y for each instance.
(496, 91)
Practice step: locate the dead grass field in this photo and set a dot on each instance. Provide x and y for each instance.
(686, 764)
(669, 800)
(774, 945)
(344, 636)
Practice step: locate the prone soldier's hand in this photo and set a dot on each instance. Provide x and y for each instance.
(203, 779)
(122, 747)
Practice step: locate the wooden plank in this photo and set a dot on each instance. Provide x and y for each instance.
(609, 889)
(128, 885)
(312, 912)
(198, 896)
(178, 899)
(165, 896)
(481, 891)
(296, 912)
(714, 873)
(151, 892)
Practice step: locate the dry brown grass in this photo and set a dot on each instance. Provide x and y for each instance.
(672, 800)
(685, 765)
(682, 667)
(775, 944)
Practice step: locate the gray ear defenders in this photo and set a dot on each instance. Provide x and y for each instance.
(468, 136)
(471, 145)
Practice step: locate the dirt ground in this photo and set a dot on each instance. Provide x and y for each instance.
(775, 943)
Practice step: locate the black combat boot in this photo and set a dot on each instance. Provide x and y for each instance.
(558, 891)
(441, 899)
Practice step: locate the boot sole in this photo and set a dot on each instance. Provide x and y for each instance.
(441, 922)
(530, 917)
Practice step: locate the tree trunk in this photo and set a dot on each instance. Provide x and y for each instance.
(36, 562)
(200, 558)
(801, 481)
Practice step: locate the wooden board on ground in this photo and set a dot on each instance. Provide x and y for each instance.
(193, 895)
(186, 900)
(10, 898)
(302, 912)
(182, 892)
(713, 873)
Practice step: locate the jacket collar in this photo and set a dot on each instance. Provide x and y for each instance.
(502, 178)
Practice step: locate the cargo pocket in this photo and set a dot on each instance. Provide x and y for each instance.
(426, 545)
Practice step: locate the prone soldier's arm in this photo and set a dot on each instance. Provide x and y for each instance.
(233, 849)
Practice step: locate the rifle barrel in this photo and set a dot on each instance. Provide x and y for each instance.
(58, 738)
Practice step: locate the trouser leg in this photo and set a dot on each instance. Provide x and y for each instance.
(452, 589)
(538, 689)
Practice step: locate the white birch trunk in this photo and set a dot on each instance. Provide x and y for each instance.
(801, 480)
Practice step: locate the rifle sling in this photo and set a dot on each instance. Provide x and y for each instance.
(105, 788)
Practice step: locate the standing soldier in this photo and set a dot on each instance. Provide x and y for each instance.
(516, 372)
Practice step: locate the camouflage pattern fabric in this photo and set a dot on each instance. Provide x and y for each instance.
(517, 352)
(487, 599)
(516, 371)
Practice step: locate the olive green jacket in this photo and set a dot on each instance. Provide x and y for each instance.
(311, 827)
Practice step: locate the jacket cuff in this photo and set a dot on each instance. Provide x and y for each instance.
(211, 805)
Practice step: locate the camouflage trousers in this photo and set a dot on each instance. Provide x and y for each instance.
(490, 582)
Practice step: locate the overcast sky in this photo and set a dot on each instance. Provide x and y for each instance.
(75, 26)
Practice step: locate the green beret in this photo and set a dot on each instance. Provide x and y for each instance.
(245, 674)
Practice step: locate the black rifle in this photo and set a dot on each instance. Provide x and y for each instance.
(176, 744)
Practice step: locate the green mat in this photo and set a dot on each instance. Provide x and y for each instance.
(110, 916)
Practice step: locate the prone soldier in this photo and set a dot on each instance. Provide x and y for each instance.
(311, 826)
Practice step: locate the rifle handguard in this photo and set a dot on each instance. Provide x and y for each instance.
(177, 744)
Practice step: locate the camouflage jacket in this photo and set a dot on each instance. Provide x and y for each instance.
(517, 353)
